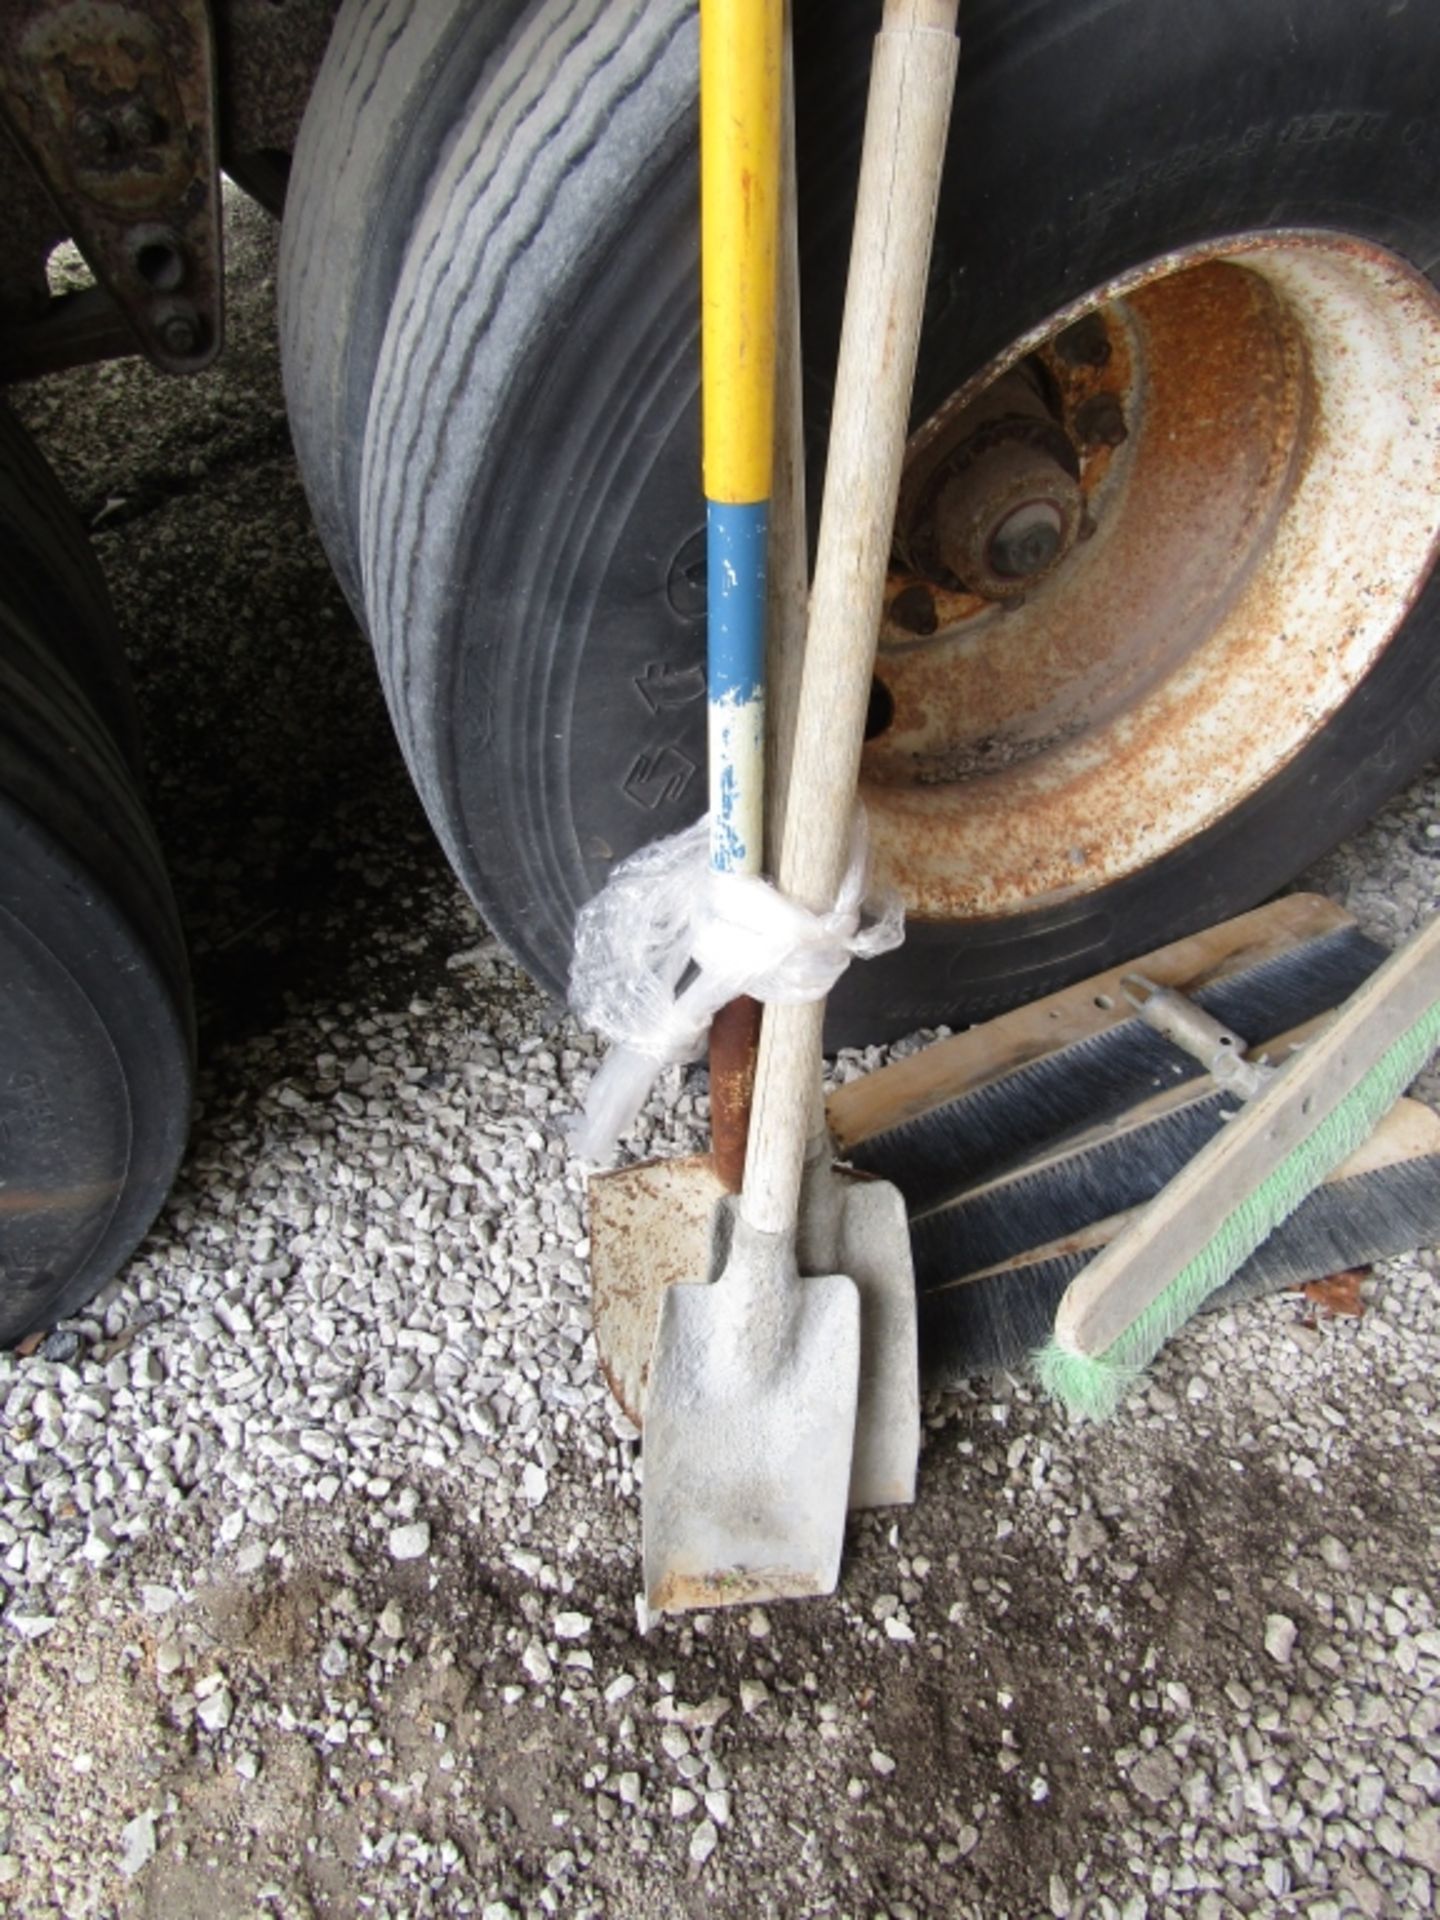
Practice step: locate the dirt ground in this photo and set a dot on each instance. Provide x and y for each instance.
(975, 1725)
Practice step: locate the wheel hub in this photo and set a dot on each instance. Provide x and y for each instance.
(1143, 560)
(993, 506)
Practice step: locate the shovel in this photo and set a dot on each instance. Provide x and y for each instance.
(754, 1380)
(650, 1224)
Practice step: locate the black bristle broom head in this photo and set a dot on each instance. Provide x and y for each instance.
(1021, 1145)
(993, 1320)
(1016, 1096)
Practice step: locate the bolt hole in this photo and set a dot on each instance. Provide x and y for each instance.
(1104, 1002)
(880, 714)
(160, 265)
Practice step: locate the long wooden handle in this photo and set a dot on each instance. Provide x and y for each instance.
(787, 600)
(787, 580)
(911, 88)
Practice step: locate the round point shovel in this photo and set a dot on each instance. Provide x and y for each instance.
(754, 1379)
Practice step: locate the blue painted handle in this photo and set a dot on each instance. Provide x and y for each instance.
(735, 598)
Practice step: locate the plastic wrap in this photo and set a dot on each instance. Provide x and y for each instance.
(667, 942)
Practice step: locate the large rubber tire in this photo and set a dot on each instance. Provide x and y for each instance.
(52, 583)
(96, 1045)
(526, 532)
(397, 80)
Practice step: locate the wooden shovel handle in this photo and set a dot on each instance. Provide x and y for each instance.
(787, 576)
(907, 120)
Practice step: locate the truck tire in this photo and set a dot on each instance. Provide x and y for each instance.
(96, 1046)
(53, 582)
(396, 80)
(1208, 251)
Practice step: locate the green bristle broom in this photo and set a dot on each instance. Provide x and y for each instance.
(1322, 1104)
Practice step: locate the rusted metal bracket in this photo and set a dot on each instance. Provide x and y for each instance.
(113, 102)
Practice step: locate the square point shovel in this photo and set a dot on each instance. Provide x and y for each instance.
(754, 1379)
(652, 1224)
(658, 1223)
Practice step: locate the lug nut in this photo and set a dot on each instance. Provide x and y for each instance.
(139, 125)
(94, 134)
(913, 609)
(1085, 344)
(1099, 421)
(180, 335)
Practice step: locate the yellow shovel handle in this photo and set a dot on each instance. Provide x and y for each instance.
(741, 54)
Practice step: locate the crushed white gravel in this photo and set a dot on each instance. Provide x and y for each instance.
(318, 1532)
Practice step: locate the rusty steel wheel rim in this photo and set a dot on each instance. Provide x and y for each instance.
(1198, 506)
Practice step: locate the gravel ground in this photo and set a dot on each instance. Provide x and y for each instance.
(318, 1535)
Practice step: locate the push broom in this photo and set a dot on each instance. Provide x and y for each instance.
(1383, 1200)
(1024, 1145)
(1320, 1106)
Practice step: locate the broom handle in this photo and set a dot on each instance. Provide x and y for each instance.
(907, 119)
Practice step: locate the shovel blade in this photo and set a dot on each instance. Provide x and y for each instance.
(651, 1226)
(749, 1430)
(874, 1249)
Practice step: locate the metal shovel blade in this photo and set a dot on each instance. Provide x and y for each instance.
(654, 1224)
(650, 1226)
(749, 1427)
(858, 1226)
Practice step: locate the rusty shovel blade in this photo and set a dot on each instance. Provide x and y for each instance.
(749, 1427)
(649, 1227)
